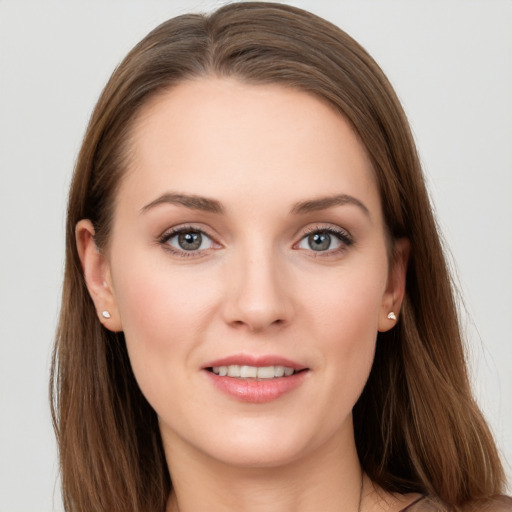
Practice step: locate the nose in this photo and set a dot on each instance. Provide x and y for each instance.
(257, 297)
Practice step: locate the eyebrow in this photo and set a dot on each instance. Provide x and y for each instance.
(189, 201)
(323, 203)
(213, 206)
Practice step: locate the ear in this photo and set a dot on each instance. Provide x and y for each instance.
(395, 289)
(97, 276)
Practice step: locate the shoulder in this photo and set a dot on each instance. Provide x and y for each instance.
(428, 504)
(425, 504)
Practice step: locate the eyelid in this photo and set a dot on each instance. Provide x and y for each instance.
(176, 230)
(331, 228)
(342, 234)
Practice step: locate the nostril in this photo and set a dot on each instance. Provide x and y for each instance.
(257, 307)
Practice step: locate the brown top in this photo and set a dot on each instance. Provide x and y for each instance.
(412, 507)
(424, 504)
(427, 504)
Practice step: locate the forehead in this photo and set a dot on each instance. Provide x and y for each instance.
(225, 139)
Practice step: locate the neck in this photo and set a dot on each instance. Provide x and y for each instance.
(327, 480)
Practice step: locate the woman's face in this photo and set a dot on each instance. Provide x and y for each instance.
(248, 240)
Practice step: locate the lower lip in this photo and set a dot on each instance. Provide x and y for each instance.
(257, 391)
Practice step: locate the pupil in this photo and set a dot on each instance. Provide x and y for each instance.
(190, 241)
(319, 241)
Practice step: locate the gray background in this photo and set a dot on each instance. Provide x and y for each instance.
(451, 63)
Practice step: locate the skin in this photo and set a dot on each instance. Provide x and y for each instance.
(255, 286)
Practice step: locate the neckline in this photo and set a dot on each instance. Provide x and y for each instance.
(412, 504)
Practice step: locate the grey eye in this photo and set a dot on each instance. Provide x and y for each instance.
(190, 240)
(320, 241)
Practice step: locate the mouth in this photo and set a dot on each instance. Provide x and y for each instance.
(256, 379)
(254, 372)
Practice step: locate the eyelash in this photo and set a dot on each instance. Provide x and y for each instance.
(168, 235)
(343, 236)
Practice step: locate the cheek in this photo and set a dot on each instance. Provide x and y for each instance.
(344, 316)
(347, 301)
(154, 296)
(163, 312)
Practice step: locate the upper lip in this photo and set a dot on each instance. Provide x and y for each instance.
(253, 360)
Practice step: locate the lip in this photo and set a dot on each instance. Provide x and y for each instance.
(252, 360)
(253, 390)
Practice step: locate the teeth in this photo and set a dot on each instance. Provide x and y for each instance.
(234, 370)
(266, 372)
(256, 372)
(248, 371)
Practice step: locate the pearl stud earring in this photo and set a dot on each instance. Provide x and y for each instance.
(391, 315)
(105, 314)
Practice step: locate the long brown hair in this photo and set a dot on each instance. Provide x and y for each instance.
(417, 426)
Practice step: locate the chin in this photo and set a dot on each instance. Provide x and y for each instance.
(257, 455)
(265, 446)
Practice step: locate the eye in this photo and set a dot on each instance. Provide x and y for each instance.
(325, 240)
(188, 240)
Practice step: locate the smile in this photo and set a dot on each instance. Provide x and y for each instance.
(252, 372)
(256, 379)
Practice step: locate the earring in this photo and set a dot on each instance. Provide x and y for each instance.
(105, 314)
(391, 315)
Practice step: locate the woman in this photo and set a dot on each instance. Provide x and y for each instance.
(257, 314)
